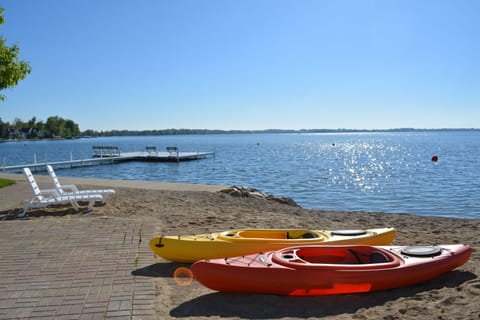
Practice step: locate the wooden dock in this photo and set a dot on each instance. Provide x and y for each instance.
(112, 155)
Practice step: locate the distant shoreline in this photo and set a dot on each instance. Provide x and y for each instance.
(171, 132)
(116, 133)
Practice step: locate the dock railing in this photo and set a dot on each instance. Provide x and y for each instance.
(106, 151)
(173, 152)
(151, 150)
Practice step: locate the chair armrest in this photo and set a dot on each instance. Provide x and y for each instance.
(67, 187)
(49, 192)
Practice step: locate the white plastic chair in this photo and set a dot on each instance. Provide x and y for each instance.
(46, 197)
(72, 189)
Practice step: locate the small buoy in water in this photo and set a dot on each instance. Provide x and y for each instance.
(435, 158)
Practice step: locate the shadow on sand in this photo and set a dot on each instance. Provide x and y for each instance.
(163, 270)
(58, 210)
(257, 306)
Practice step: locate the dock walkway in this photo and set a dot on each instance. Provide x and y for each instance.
(112, 155)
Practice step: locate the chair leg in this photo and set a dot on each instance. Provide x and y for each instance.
(24, 212)
(75, 205)
(90, 206)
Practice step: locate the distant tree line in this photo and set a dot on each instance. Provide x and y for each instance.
(57, 127)
(54, 127)
(112, 133)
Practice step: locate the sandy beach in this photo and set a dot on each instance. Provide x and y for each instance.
(164, 208)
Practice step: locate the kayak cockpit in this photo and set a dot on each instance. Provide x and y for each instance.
(338, 257)
(275, 234)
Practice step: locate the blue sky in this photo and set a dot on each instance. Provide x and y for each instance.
(247, 64)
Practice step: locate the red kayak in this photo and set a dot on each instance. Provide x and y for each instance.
(325, 270)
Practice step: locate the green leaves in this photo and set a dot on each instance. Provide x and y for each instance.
(12, 70)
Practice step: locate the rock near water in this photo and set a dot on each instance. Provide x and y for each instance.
(246, 192)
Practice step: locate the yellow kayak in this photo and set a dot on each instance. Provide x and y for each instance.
(232, 243)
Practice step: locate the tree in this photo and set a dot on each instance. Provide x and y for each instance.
(71, 129)
(4, 129)
(12, 70)
(32, 122)
(54, 127)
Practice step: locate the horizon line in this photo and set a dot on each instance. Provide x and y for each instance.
(278, 130)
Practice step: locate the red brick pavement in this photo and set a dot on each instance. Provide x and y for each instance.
(75, 267)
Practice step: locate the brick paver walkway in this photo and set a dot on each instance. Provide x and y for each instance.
(75, 267)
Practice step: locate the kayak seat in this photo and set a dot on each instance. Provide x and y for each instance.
(308, 235)
(378, 257)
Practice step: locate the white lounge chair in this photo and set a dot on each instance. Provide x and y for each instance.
(46, 197)
(71, 189)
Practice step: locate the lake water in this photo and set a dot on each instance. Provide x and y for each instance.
(388, 172)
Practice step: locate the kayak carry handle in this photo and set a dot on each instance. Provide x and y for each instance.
(160, 244)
